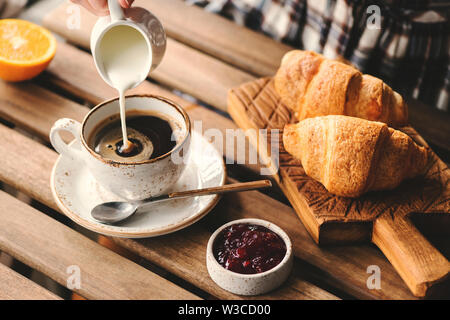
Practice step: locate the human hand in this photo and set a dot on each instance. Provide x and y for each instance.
(100, 7)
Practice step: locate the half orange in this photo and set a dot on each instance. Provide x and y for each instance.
(26, 49)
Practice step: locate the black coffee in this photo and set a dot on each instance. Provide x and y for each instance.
(151, 136)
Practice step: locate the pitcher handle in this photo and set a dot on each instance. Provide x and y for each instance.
(115, 10)
(72, 126)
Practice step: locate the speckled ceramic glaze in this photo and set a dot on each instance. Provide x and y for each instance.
(76, 192)
(134, 180)
(138, 18)
(250, 284)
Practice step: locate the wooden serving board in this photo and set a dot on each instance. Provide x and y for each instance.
(383, 218)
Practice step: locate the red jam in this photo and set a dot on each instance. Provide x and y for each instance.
(248, 249)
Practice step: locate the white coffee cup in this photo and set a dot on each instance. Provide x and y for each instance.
(138, 19)
(129, 180)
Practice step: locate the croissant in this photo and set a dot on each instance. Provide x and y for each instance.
(311, 85)
(351, 156)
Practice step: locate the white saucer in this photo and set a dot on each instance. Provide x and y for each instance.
(76, 192)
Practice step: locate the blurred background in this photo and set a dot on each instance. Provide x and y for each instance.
(403, 42)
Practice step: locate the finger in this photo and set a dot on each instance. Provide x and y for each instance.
(88, 6)
(100, 6)
(126, 3)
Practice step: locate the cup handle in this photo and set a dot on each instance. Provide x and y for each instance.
(115, 10)
(72, 126)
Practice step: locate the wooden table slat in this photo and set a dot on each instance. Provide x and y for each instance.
(343, 266)
(14, 286)
(17, 171)
(50, 247)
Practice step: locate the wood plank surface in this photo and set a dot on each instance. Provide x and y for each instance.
(50, 247)
(199, 75)
(23, 109)
(29, 176)
(16, 170)
(143, 248)
(14, 286)
(340, 267)
(25, 103)
(218, 36)
(431, 123)
(190, 245)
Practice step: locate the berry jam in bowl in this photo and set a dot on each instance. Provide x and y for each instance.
(249, 256)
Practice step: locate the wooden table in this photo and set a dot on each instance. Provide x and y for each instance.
(206, 56)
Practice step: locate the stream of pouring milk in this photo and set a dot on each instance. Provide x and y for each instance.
(126, 59)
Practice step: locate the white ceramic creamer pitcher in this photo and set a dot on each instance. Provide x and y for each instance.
(135, 24)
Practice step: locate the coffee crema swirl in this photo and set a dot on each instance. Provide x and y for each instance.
(151, 134)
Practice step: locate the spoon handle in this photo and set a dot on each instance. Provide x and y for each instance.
(235, 187)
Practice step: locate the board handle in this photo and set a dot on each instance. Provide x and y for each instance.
(419, 263)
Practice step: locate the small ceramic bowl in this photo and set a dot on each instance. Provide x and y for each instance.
(250, 284)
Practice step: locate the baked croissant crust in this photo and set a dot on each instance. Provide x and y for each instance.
(351, 156)
(311, 85)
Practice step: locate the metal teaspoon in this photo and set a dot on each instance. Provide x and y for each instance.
(113, 212)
